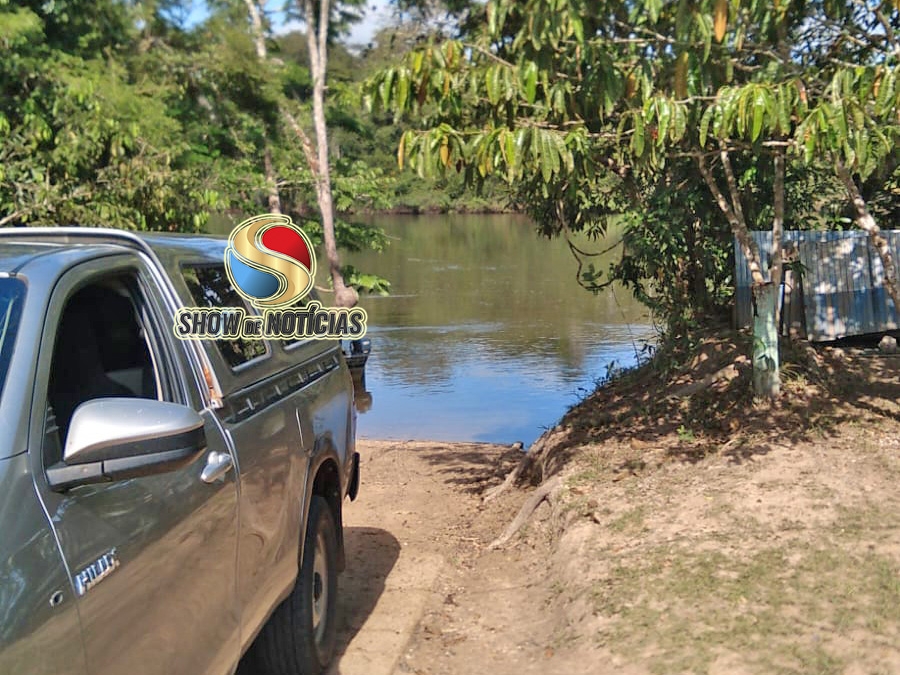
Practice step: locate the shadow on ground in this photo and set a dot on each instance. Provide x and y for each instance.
(472, 467)
(823, 388)
(371, 554)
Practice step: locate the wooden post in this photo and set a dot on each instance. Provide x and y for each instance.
(766, 379)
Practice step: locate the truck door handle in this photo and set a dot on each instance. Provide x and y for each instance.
(217, 465)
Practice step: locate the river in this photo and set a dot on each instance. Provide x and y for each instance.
(487, 335)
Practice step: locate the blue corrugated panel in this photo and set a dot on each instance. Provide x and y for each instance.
(886, 313)
(842, 290)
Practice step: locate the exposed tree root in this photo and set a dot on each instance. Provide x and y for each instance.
(530, 467)
(522, 467)
(729, 372)
(546, 491)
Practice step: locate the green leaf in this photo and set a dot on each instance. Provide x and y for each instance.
(704, 124)
(492, 82)
(554, 148)
(577, 27)
(809, 146)
(402, 90)
(546, 161)
(559, 100)
(509, 149)
(742, 99)
(387, 82)
(705, 28)
(759, 114)
(784, 109)
(418, 60)
(521, 142)
(679, 123)
(839, 124)
(637, 139)
(529, 80)
(862, 150)
(883, 101)
(565, 154)
(664, 113)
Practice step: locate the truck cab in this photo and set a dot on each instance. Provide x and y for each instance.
(167, 505)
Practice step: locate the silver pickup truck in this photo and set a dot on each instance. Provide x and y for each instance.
(166, 506)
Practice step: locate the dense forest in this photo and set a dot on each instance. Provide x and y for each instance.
(155, 115)
(686, 122)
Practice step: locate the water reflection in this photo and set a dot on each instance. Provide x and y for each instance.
(487, 335)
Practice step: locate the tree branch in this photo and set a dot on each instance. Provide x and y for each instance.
(866, 222)
(488, 53)
(15, 215)
(317, 44)
(738, 227)
(888, 30)
(305, 143)
(256, 25)
(259, 40)
(732, 186)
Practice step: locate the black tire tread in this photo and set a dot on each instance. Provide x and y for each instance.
(286, 646)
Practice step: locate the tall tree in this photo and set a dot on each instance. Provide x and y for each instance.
(567, 97)
(318, 17)
(317, 41)
(262, 53)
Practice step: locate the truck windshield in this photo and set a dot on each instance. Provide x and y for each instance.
(12, 293)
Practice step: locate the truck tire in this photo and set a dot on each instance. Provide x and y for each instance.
(299, 637)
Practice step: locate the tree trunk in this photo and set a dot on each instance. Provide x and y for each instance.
(766, 366)
(259, 41)
(695, 267)
(775, 269)
(316, 38)
(271, 181)
(766, 372)
(317, 42)
(866, 222)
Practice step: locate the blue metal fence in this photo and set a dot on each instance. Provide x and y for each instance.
(840, 291)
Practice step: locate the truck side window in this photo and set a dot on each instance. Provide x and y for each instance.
(101, 351)
(209, 287)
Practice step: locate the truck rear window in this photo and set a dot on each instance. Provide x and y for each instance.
(209, 287)
(12, 294)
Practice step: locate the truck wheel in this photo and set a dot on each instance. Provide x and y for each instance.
(299, 637)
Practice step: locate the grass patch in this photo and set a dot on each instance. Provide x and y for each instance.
(630, 521)
(679, 609)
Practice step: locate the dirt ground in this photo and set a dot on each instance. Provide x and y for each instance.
(694, 534)
(421, 594)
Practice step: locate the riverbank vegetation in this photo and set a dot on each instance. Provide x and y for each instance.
(693, 528)
(695, 122)
(157, 115)
(694, 531)
(689, 124)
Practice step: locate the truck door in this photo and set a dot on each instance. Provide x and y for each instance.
(153, 558)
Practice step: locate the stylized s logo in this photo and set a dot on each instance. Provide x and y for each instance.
(270, 261)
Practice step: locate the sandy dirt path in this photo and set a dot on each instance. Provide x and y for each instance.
(421, 593)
